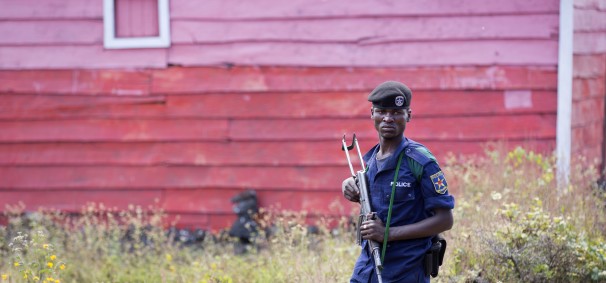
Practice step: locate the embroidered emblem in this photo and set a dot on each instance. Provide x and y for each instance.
(439, 183)
(399, 101)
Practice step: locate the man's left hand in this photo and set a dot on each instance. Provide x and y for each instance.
(373, 229)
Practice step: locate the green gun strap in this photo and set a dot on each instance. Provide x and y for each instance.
(393, 193)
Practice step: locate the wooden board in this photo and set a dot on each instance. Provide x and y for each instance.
(19, 33)
(590, 42)
(51, 9)
(588, 111)
(164, 177)
(27, 107)
(232, 9)
(477, 128)
(278, 178)
(78, 56)
(590, 19)
(77, 82)
(328, 29)
(114, 130)
(588, 136)
(61, 9)
(586, 66)
(198, 201)
(178, 80)
(410, 54)
(590, 87)
(270, 105)
(274, 79)
(452, 128)
(76, 200)
(264, 153)
(365, 30)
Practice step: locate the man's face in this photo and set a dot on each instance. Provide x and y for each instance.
(390, 123)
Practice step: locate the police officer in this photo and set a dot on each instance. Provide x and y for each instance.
(422, 206)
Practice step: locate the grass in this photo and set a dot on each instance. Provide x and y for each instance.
(510, 215)
(512, 224)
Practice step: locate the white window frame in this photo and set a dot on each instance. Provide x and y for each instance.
(110, 41)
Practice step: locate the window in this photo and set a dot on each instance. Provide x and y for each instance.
(136, 24)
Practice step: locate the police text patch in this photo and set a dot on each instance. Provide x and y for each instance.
(439, 183)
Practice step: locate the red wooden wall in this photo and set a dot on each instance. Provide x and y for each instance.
(589, 91)
(257, 96)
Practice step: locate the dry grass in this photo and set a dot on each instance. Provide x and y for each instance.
(104, 245)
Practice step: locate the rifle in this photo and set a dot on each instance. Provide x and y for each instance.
(365, 210)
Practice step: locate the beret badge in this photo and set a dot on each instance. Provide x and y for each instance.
(399, 101)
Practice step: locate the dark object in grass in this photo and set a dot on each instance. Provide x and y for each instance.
(245, 227)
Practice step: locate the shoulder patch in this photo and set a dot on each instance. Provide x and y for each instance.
(439, 183)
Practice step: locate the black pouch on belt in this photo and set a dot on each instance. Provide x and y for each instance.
(435, 256)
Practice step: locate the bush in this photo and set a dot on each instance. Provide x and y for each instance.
(533, 246)
(514, 224)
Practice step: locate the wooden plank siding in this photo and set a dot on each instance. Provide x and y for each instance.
(310, 33)
(272, 79)
(84, 139)
(589, 82)
(259, 98)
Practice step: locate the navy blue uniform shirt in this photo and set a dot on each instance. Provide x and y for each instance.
(413, 202)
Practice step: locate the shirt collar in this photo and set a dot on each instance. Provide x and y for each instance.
(391, 161)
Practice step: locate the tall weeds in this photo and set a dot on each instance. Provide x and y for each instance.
(512, 224)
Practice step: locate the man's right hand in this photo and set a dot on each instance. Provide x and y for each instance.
(350, 190)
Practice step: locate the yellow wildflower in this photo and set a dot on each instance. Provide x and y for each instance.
(169, 257)
(4, 276)
(62, 266)
(36, 278)
(53, 257)
(49, 264)
(25, 276)
(16, 264)
(45, 246)
(57, 281)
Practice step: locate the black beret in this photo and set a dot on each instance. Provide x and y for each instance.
(391, 95)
